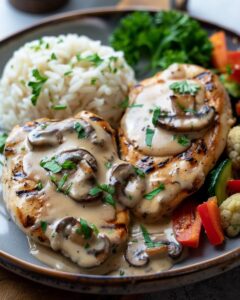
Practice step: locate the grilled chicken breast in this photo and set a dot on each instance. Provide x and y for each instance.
(59, 184)
(174, 130)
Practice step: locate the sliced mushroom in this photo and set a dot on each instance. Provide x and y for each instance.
(83, 178)
(73, 245)
(128, 185)
(203, 119)
(136, 255)
(51, 134)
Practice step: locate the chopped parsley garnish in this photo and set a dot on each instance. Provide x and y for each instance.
(139, 172)
(184, 87)
(95, 59)
(80, 130)
(3, 138)
(93, 81)
(108, 190)
(182, 140)
(37, 85)
(147, 239)
(53, 56)
(108, 165)
(149, 137)
(55, 167)
(59, 107)
(85, 229)
(153, 193)
(157, 112)
(125, 104)
(94, 228)
(62, 182)
(51, 165)
(121, 272)
(69, 165)
(39, 185)
(43, 225)
(67, 73)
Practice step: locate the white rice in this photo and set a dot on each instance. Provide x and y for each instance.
(96, 87)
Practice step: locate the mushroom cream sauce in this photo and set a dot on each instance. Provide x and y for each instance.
(78, 202)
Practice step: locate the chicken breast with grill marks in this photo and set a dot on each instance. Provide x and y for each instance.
(59, 186)
(174, 129)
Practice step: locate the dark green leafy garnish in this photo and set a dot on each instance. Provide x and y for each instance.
(108, 190)
(53, 56)
(59, 107)
(93, 81)
(184, 87)
(147, 239)
(139, 172)
(80, 130)
(55, 167)
(3, 138)
(155, 192)
(94, 228)
(62, 182)
(39, 185)
(85, 229)
(157, 112)
(162, 39)
(37, 85)
(149, 137)
(108, 165)
(68, 73)
(43, 225)
(125, 104)
(95, 59)
(182, 140)
(121, 273)
(51, 165)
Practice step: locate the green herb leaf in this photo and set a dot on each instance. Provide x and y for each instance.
(135, 105)
(39, 185)
(147, 239)
(67, 73)
(61, 182)
(108, 165)
(121, 273)
(94, 228)
(37, 85)
(139, 172)
(95, 191)
(107, 188)
(182, 140)
(80, 130)
(85, 229)
(93, 81)
(184, 87)
(149, 137)
(43, 225)
(53, 56)
(59, 107)
(154, 192)
(125, 103)
(51, 165)
(109, 200)
(3, 138)
(69, 165)
(95, 59)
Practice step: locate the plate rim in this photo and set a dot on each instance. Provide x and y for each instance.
(224, 261)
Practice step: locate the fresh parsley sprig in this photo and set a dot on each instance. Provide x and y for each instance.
(155, 192)
(147, 239)
(108, 191)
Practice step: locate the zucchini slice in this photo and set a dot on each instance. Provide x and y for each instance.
(218, 180)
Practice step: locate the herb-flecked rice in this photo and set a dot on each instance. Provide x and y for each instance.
(56, 77)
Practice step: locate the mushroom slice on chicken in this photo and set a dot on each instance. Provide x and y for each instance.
(175, 131)
(79, 242)
(128, 184)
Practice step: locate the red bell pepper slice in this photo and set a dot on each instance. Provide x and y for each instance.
(220, 52)
(187, 224)
(233, 186)
(233, 58)
(210, 216)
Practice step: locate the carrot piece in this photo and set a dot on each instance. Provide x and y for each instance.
(220, 52)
